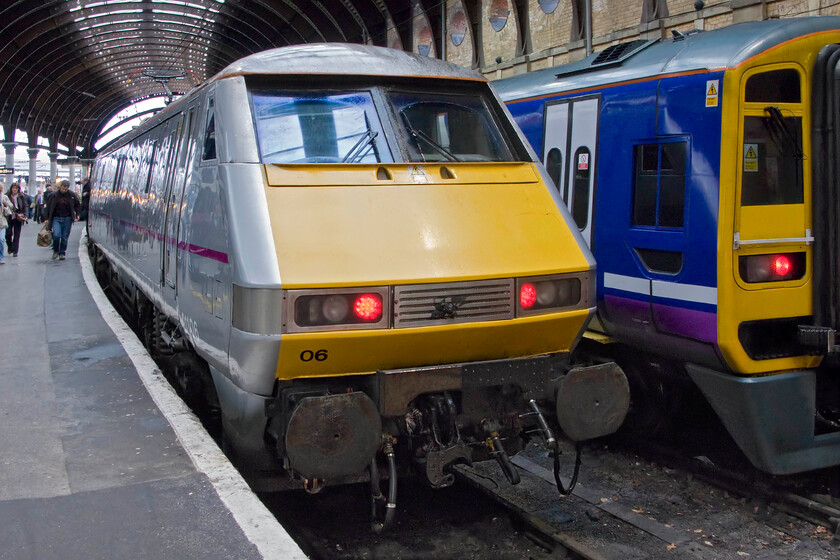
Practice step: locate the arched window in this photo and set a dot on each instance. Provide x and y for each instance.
(578, 21)
(548, 6)
(457, 26)
(499, 13)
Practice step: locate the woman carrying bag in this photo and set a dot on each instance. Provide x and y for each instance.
(19, 209)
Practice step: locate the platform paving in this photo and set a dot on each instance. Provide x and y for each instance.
(90, 467)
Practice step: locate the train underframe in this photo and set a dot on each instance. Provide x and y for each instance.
(783, 423)
(312, 433)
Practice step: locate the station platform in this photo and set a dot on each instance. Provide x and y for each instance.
(99, 459)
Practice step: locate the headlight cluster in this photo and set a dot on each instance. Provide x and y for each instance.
(318, 310)
(420, 305)
(542, 295)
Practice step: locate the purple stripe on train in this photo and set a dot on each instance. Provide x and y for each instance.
(194, 249)
(668, 319)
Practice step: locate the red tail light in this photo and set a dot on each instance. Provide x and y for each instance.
(331, 309)
(781, 265)
(527, 296)
(368, 307)
(772, 268)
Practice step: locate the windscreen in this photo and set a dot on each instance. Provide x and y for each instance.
(318, 128)
(448, 127)
(378, 124)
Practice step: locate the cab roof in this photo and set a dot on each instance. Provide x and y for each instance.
(345, 59)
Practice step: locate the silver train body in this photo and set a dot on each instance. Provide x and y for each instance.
(190, 224)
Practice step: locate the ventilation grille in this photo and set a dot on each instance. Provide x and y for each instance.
(457, 302)
(617, 53)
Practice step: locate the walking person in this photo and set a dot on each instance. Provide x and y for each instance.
(63, 209)
(44, 199)
(20, 207)
(5, 214)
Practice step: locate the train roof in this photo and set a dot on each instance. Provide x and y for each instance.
(346, 59)
(726, 47)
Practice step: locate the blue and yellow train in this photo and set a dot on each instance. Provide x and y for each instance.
(702, 170)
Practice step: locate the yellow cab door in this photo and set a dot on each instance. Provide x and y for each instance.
(771, 243)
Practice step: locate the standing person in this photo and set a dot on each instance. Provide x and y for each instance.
(44, 199)
(62, 210)
(30, 204)
(85, 198)
(18, 218)
(39, 206)
(5, 213)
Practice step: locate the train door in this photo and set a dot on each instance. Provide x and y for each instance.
(772, 236)
(569, 154)
(181, 147)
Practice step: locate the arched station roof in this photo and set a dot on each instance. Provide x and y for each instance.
(68, 66)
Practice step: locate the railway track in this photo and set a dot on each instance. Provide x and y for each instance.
(811, 497)
(605, 518)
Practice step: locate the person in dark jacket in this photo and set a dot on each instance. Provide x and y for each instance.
(63, 209)
(85, 198)
(19, 210)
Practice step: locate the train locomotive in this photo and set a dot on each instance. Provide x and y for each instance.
(354, 258)
(702, 171)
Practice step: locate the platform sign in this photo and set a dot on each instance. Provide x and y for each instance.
(7, 170)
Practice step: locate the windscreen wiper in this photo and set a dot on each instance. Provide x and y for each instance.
(361, 148)
(418, 135)
(781, 133)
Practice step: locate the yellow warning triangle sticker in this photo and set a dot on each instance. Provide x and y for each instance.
(751, 153)
(712, 90)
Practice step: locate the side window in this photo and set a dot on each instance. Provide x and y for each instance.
(645, 173)
(554, 166)
(118, 176)
(209, 151)
(659, 185)
(672, 185)
(152, 159)
(580, 196)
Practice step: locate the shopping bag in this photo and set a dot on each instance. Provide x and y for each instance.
(44, 237)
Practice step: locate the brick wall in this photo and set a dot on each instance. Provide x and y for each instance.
(613, 21)
(502, 43)
(549, 30)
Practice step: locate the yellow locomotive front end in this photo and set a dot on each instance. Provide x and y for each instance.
(432, 285)
(455, 293)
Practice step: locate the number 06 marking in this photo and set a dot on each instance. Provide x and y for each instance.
(309, 355)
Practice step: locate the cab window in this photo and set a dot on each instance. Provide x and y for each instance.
(301, 127)
(449, 127)
(772, 152)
